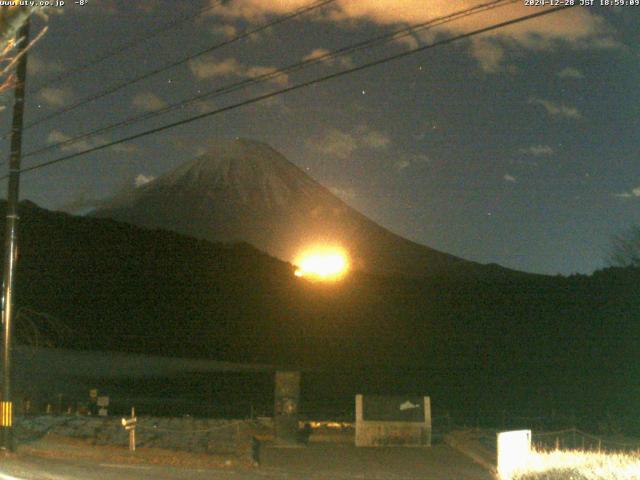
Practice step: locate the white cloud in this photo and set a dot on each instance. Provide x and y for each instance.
(537, 150)
(402, 164)
(344, 193)
(227, 31)
(55, 97)
(408, 160)
(509, 178)
(56, 136)
(488, 52)
(205, 106)
(143, 179)
(335, 143)
(206, 69)
(148, 102)
(556, 109)
(37, 66)
(317, 53)
(410, 42)
(570, 72)
(634, 193)
(253, 72)
(375, 139)
(343, 145)
(575, 28)
(322, 53)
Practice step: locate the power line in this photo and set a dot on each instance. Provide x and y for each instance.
(120, 86)
(390, 36)
(299, 86)
(136, 42)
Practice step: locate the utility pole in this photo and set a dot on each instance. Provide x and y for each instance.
(10, 239)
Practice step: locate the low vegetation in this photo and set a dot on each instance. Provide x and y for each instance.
(580, 465)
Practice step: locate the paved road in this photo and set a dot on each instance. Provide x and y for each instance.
(316, 462)
(34, 468)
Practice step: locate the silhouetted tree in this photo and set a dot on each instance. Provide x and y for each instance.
(625, 251)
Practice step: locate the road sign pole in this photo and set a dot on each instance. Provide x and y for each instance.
(132, 433)
(10, 239)
(130, 425)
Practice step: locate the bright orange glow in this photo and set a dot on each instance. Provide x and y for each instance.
(322, 263)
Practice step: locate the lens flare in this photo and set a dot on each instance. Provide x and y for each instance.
(322, 264)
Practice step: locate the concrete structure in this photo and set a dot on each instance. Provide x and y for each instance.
(393, 420)
(514, 451)
(472, 443)
(287, 400)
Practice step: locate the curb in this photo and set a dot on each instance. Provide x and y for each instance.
(467, 443)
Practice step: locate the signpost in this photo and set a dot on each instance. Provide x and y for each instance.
(130, 425)
(102, 403)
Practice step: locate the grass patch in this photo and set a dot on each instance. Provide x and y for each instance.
(579, 465)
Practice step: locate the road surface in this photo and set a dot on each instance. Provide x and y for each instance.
(315, 462)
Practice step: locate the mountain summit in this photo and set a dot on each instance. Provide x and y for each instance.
(244, 190)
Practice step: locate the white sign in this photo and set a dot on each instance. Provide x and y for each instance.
(514, 449)
(129, 423)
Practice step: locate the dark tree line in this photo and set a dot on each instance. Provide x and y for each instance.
(625, 251)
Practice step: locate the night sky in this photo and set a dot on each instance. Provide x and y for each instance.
(519, 147)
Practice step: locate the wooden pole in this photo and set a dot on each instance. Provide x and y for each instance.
(132, 433)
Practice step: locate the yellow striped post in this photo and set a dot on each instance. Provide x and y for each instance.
(6, 416)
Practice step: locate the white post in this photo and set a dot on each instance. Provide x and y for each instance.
(359, 421)
(427, 419)
(514, 449)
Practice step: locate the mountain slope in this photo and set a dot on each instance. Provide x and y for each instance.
(534, 341)
(244, 190)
